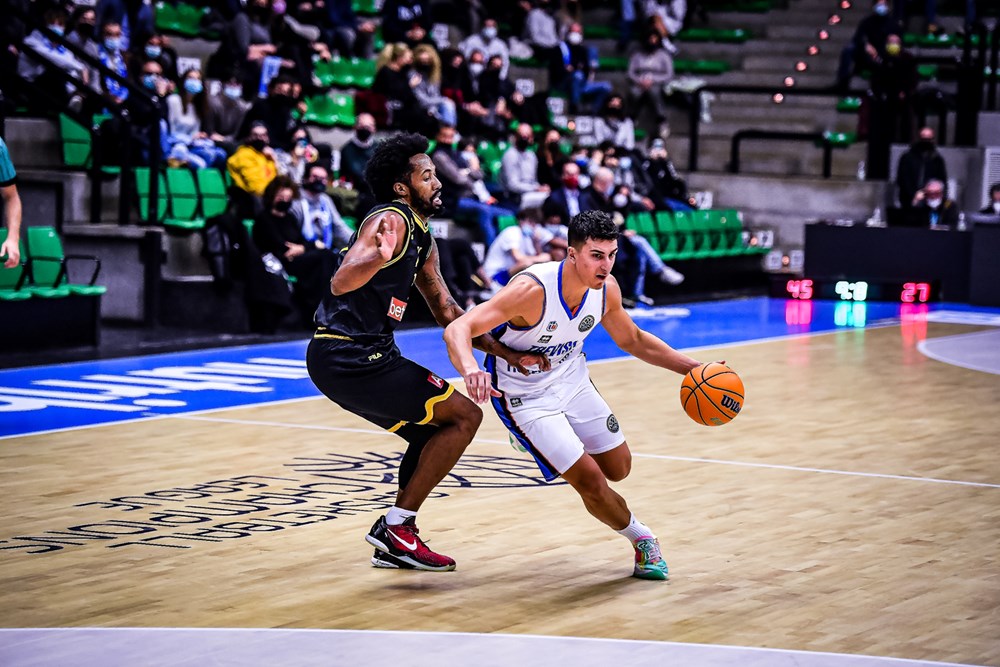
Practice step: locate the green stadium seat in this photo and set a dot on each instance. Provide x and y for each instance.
(213, 190)
(687, 239)
(365, 7)
(720, 35)
(848, 104)
(682, 66)
(142, 190)
(505, 221)
(669, 238)
(613, 63)
(601, 31)
(841, 139)
(182, 19)
(50, 266)
(321, 110)
(643, 224)
(184, 201)
(363, 72)
(12, 280)
(343, 104)
(350, 222)
(76, 142)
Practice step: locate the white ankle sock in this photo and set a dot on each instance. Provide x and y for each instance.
(396, 516)
(635, 530)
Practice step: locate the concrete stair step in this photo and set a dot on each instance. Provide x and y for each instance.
(33, 142)
(776, 78)
(784, 64)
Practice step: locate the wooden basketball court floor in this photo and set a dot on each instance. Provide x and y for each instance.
(851, 511)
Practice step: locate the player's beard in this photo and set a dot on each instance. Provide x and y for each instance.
(427, 207)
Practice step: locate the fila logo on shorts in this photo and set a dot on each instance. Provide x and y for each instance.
(436, 381)
(396, 309)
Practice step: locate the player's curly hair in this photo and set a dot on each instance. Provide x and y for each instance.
(596, 225)
(390, 164)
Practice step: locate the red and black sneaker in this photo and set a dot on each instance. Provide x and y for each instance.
(403, 543)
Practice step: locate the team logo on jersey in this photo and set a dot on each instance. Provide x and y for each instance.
(552, 326)
(613, 424)
(436, 381)
(587, 323)
(396, 309)
(544, 339)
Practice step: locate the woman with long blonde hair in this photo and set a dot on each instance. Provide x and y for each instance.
(427, 64)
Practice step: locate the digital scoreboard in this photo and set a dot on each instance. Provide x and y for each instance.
(807, 289)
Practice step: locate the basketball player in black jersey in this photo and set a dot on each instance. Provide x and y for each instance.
(353, 358)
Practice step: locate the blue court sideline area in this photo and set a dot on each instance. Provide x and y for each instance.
(47, 398)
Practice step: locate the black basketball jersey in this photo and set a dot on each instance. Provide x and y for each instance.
(360, 323)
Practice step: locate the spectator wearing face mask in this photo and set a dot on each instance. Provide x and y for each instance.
(186, 109)
(614, 125)
(427, 64)
(868, 42)
(893, 83)
(649, 70)
(225, 114)
(487, 42)
(252, 167)
(135, 19)
(993, 208)
(358, 150)
(81, 30)
(276, 112)
(276, 231)
(459, 172)
(551, 159)
(931, 208)
(317, 215)
(519, 171)
(110, 52)
(918, 165)
(158, 48)
(396, 80)
(37, 74)
(659, 180)
(574, 72)
(565, 200)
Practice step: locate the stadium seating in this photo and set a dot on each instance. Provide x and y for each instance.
(50, 272)
(141, 175)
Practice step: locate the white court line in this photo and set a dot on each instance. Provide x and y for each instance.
(623, 357)
(688, 459)
(923, 348)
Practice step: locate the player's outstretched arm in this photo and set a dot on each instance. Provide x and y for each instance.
(522, 296)
(435, 291)
(381, 238)
(640, 344)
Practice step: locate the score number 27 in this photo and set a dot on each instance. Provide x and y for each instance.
(915, 293)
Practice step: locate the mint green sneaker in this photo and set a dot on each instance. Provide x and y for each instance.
(649, 563)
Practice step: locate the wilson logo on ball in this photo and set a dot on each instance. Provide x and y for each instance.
(730, 403)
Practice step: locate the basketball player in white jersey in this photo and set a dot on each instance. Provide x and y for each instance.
(556, 413)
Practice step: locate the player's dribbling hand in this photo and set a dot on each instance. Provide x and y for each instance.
(521, 361)
(385, 238)
(480, 387)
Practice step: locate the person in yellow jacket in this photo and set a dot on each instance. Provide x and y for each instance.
(252, 167)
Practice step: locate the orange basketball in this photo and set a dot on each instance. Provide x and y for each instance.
(712, 394)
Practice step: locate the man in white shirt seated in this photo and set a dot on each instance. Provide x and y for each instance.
(517, 248)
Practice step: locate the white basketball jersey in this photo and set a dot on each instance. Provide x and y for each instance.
(559, 334)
